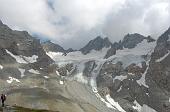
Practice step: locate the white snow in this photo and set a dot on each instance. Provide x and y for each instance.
(119, 89)
(126, 56)
(76, 56)
(121, 78)
(11, 79)
(57, 73)
(22, 72)
(46, 77)
(114, 104)
(79, 75)
(1, 67)
(142, 81)
(162, 58)
(61, 82)
(140, 65)
(94, 86)
(80, 78)
(23, 59)
(31, 59)
(131, 74)
(137, 106)
(129, 56)
(147, 94)
(17, 58)
(34, 71)
(146, 108)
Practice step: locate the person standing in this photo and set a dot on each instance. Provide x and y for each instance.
(3, 98)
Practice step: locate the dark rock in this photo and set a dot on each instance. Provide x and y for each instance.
(49, 46)
(131, 40)
(110, 52)
(96, 44)
(89, 67)
(150, 39)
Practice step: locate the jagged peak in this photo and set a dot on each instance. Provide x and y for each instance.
(96, 44)
(131, 40)
(133, 35)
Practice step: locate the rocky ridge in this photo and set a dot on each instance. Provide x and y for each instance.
(127, 76)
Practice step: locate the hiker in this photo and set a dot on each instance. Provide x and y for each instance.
(3, 98)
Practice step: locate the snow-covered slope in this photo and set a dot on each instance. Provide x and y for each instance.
(137, 55)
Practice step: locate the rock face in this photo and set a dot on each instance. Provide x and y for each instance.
(135, 74)
(110, 52)
(158, 74)
(130, 41)
(145, 84)
(20, 49)
(97, 44)
(49, 46)
(31, 79)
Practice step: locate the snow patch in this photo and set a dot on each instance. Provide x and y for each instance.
(46, 77)
(80, 78)
(131, 74)
(57, 73)
(77, 56)
(34, 71)
(22, 72)
(17, 58)
(61, 82)
(162, 58)
(11, 79)
(121, 78)
(140, 65)
(23, 59)
(114, 104)
(119, 89)
(134, 55)
(1, 67)
(142, 80)
(31, 59)
(137, 106)
(146, 108)
(104, 101)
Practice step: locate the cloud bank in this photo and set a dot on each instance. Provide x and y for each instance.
(72, 23)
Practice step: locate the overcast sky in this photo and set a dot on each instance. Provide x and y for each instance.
(72, 23)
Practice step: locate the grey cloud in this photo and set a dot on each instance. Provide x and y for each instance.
(72, 23)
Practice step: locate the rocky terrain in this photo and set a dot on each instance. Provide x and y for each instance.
(126, 76)
(30, 78)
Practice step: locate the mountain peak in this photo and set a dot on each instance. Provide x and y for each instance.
(131, 40)
(96, 44)
(50, 46)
